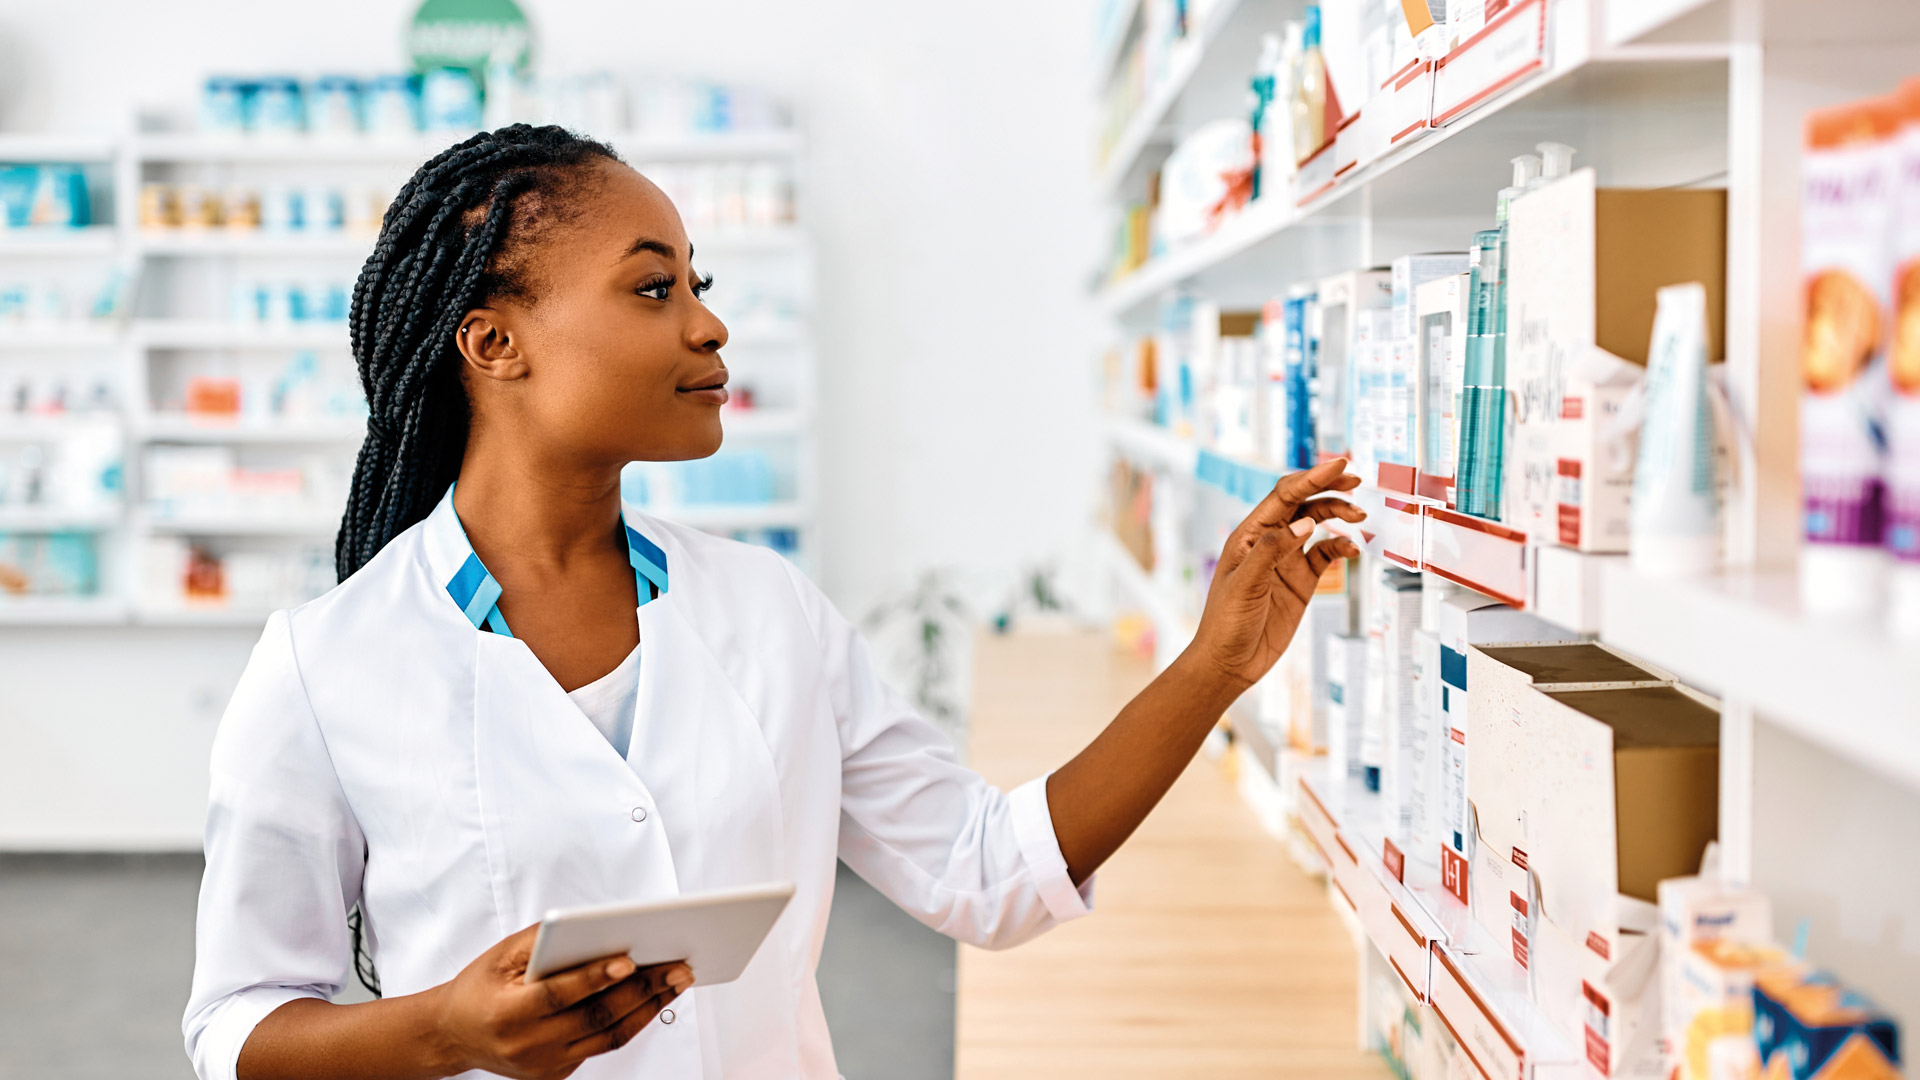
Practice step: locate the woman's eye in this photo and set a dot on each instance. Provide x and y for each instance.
(701, 284)
(656, 290)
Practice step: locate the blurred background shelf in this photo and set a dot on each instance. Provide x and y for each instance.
(88, 240)
(61, 611)
(296, 524)
(162, 427)
(224, 334)
(54, 519)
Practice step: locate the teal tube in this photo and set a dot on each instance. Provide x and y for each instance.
(1483, 386)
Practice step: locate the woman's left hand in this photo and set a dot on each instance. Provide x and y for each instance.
(1267, 573)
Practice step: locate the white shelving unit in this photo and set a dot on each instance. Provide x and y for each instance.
(1653, 93)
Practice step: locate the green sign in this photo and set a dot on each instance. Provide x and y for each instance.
(469, 34)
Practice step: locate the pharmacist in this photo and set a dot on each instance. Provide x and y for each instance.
(525, 696)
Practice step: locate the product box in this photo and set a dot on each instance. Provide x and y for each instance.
(1466, 618)
(1508, 721)
(1341, 297)
(1807, 1026)
(1346, 690)
(1709, 1000)
(1411, 274)
(1440, 340)
(1593, 453)
(1288, 703)
(1424, 828)
(1397, 618)
(1579, 275)
(1369, 428)
(1846, 263)
(1698, 912)
(1609, 1008)
(1623, 791)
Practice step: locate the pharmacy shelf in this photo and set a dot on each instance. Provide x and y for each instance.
(1112, 44)
(188, 147)
(44, 241)
(1442, 954)
(55, 149)
(1187, 57)
(181, 428)
(46, 337)
(253, 243)
(1139, 589)
(35, 428)
(1151, 446)
(298, 524)
(49, 519)
(222, 334)
(746, 240)
(61, 611)
(1842, 683)
(1452, 171)
(773, 515)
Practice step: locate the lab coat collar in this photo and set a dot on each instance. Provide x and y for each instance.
(474, 590)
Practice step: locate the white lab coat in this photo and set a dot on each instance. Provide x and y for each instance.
(380, 748)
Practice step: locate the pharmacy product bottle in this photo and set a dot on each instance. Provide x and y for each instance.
(1483, 390)
(1310, 91)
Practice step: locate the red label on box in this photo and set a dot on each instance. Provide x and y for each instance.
(1571, 408)
(1568, 520)
(1599, 945)
(1519, 928)
(1453, 873)
(1519, 858)
(1598, 1028)
(1395, 859)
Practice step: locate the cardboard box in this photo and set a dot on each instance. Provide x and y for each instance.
(1467, 618)
(1440, 339)
(1582, 271)
(1593, 456)
(1807, 1026)
(1424, 826)
(1341, 297)
(1696, 912)
(1623, 790)
(1505, 737)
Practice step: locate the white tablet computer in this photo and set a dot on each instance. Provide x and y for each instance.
(716, 933)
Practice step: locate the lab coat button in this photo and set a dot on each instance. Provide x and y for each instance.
(639, 813)
(666, 1016)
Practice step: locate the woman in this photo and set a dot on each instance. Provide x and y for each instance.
(475, 726)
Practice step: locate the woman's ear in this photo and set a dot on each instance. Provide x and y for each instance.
(487, 346)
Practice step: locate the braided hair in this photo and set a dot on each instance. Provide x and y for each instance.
(454, 239)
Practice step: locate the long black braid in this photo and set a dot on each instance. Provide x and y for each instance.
(452, 241)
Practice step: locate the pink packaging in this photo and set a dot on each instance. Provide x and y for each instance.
(1903, 365)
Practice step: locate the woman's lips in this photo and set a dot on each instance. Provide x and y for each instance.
(709, 395)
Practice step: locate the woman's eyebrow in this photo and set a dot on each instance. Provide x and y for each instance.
(660, 248)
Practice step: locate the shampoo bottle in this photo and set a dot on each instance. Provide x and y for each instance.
(1309, 98)
(1263, 108)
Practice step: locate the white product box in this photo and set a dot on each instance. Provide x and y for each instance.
(1429, 736)
(1398, 614)
(1340, 298)
(1504, 736)
(1697, 913)
(1713, 1003)
(1326, 615)
(1346, 689)
(1440, 338)
(1593, 456)
(1609, 1008)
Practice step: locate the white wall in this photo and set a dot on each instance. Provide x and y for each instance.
(949, 183)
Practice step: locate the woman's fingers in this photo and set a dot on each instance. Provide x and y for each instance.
(1327, 509)
(564, 989)
(615, 1004)
(622, 1031)
(1294, 489)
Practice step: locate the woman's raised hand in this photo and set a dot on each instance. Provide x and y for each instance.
(490, 1019)
(1267, 573)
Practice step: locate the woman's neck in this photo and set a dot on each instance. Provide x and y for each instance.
(514, 506)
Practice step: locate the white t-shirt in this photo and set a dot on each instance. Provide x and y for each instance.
(609, 701)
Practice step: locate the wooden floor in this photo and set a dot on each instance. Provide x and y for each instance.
(1208, 953)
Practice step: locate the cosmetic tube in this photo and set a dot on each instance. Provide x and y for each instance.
(1675, 517)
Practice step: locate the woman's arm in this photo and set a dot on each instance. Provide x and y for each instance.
(1260, 590)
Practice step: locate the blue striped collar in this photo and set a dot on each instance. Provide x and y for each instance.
(476, 592)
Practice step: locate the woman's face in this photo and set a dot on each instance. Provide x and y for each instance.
(614, 357)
